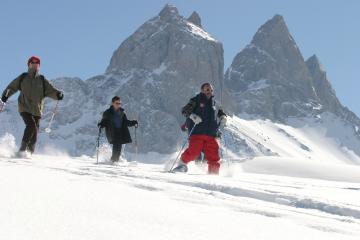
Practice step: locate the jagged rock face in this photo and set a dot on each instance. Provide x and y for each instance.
(269, 77)
(322, 86)
(326, 93)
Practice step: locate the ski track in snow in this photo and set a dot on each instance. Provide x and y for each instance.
(327, 208)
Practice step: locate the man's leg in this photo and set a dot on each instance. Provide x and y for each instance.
(211, 149)
(196, 145)
(30, 130)
(116, 152)
(32, 143)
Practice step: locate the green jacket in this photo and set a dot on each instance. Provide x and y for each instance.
(33, 90)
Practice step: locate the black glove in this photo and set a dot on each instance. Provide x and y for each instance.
(4, 98)
(100, 125)
(135, 123)
(60, 96)
(221, 113)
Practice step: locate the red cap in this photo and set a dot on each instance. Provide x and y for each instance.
(33, 58)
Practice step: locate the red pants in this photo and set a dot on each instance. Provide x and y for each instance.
(206, 144)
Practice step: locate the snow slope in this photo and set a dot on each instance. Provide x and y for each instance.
(73, 198)
(277, 181)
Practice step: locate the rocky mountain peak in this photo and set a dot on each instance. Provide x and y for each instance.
(274, 26)
(195, 19)
(274, 37)
(169, 12)
(270, 76)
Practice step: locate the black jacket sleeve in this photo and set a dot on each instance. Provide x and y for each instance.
(105, 120)
(189, 108)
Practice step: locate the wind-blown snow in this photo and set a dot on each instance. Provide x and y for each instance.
(8, 146)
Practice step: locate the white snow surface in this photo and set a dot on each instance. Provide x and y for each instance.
(60, 197)
(308, 187)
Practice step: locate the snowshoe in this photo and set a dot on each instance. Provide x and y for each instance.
(180, 168)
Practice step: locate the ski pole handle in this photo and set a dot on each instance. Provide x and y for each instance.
(2, 105)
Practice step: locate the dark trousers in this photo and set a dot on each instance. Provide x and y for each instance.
(116, 152)
(29, 139)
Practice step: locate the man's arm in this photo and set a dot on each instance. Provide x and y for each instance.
(11, 89)
(130, 123)
(51, 92)
(189, 108)
(104, 121)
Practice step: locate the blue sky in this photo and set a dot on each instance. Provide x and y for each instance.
(77, 38)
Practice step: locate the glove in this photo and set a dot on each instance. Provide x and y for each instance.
(223, 121)
(195, 118)
(184, 127)
(60, 96)
(221, 113)
(100, 125)
(136, 123)
(4, 99)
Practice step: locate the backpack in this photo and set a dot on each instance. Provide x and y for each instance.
(23, 76)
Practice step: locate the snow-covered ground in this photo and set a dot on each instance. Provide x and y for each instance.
(60, 197)
(308, 187)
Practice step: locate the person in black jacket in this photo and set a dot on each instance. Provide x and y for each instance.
(203, 115)
(116, 126)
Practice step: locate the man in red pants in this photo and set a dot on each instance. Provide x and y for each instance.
(204, 128)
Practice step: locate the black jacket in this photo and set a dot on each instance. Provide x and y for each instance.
(205, 108)
(113, 134)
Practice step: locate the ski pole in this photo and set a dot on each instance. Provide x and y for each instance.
(98, 146)
(226, 150)
(48, 129)
(136, 144)
(172, 166)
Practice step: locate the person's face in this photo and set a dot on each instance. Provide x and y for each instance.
(208, 91)
(116, 105)
(34, 65)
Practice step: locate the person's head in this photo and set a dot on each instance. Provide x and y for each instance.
(116, 103)
(34, 63)
(207, 89)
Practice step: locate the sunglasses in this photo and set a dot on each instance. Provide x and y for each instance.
(35, 63)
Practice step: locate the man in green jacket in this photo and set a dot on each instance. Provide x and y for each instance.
(33, 89)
